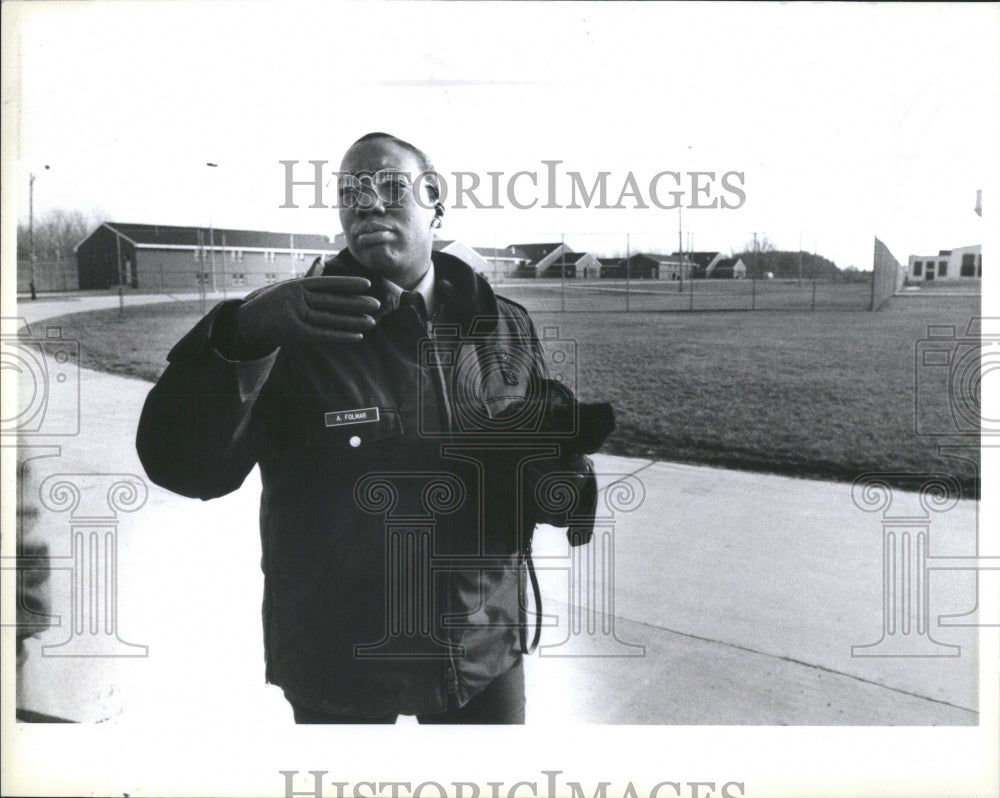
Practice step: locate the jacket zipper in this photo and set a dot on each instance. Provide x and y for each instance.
(451, 669)
(441, 381)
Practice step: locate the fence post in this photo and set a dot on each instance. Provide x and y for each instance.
(753, 293)
(225, 295)
(813, 295)
(628, 269)
(562, 274)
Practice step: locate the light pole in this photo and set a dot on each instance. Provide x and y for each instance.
(31, 229)
(211, 236)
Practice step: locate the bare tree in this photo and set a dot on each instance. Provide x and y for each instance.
(763, 244)
(56, 234)
(755, 254)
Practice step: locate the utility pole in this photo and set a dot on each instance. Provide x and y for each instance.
(800, 258)
(562, 273)
(121, 295)
(628, 268)
(680, 249)
(755, 256)
(211, 252)
(31, 230)
(211, 237)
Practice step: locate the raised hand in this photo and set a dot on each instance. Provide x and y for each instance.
(331, 309)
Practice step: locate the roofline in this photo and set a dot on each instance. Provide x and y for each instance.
(116, 232)
(105, 224)
(137, 245)
(230, 247)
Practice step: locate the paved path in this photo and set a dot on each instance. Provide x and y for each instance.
(722, 597)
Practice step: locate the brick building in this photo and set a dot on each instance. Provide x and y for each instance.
(152, 257)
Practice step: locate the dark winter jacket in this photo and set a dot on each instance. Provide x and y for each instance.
(394, 511)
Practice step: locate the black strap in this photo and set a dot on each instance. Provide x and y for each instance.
(537, 594)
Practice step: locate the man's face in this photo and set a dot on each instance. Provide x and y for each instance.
(388, 227)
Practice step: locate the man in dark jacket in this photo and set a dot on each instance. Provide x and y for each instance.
(388, 405)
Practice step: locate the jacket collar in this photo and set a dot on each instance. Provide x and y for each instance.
(465, 295)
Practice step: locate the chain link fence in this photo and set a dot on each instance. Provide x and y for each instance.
(47, 275)
(564, 272)
(644, 295)
(642, 273)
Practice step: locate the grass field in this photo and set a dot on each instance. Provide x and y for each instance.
(822, 394)
(615, 296)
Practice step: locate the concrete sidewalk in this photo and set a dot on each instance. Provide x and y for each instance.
(715, 597)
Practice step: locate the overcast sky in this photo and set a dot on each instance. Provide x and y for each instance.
(846, 121)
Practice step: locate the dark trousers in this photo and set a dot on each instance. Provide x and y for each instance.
(500, 702)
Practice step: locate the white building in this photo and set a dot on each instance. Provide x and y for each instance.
(962, 263)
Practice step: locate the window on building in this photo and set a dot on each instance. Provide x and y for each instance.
(942, 268)
(968, 265)
(270, 277)
(196, 255)
(918, 268)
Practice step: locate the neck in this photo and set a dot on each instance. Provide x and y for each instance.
(411, 278)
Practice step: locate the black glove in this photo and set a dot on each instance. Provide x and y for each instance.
(562, 491)
(551, 414)
(329, 309)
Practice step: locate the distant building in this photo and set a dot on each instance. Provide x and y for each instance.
(636, 267)
(502, 263)
(701, 262)
(573, 265)
(647, 266)
(962, 263)
(675, 268)
(466, 254)
(726, 269)
(536, 258)
(153, 256)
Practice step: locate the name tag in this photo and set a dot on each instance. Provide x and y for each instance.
(362, 415)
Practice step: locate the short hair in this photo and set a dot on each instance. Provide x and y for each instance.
(423, 161)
